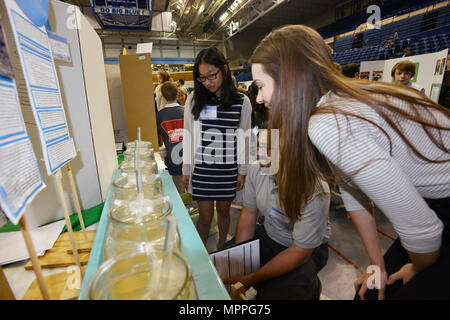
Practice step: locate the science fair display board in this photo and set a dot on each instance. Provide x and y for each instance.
(84, 92)
(41, 83)
(41, 103)
(81, 80)
(20, 176)
(430, 69)
(39, 92)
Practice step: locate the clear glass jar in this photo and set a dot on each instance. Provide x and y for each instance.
(136, 223)
(145, 154)
(125, 190)
(136, 275)
(147, 167)
(142, 145)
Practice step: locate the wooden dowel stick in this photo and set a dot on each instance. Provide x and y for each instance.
(34, 260)
(75, 196)
(58, 177)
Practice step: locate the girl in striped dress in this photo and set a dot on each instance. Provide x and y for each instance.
(387, 145)
(213, 163)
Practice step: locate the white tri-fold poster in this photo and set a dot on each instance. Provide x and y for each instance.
(20, 177)
(430, 69)
(37, 65)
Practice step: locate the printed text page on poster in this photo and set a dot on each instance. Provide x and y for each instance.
(43, 89)
(20, 177)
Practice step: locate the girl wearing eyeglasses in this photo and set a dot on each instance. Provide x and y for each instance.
(213, 113)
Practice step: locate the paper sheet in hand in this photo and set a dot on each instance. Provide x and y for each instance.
(237, 261)
(12, 245)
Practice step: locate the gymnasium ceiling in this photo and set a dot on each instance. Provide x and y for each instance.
(217, 20)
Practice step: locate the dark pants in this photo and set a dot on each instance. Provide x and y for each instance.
(299, 284)
(431, 283)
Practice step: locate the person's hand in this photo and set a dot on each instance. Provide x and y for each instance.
(246, 281)
(405, 273)
(185, 181)
(240, 182)
(366, 277)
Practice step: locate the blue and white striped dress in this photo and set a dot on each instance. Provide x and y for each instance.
(215, 161)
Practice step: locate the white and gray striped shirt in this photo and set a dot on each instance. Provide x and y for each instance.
(396, 183)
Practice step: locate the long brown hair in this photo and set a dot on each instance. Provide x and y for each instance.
(300, 62)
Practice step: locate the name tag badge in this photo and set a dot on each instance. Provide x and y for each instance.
(278, 215)
(208, 113)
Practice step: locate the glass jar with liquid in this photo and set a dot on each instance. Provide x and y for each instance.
(125, 189)
(145, 154)
(142, 145)
(146, 167)
(136, 223)
(137, 275)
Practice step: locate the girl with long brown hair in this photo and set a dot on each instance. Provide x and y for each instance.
(385, 144)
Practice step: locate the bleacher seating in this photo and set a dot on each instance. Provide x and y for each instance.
(389, 9)
(423, 44)
(406, 28)
(409, 30)
(426, 44)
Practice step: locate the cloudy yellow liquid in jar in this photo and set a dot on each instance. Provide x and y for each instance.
(136, 224)
(147, 167)
(125, 190)
(137, 276)
(143, 154)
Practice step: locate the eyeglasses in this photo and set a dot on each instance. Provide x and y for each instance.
(209, 77)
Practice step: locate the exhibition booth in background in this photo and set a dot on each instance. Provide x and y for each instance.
(430, 69)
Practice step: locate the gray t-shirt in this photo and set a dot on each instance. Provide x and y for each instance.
(310, 231)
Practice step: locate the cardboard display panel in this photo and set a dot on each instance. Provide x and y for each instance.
(138, 97)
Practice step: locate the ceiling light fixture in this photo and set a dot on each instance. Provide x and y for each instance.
(223, 16)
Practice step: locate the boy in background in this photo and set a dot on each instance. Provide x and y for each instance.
(403, 72)
(351, 70)
(170, 122)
